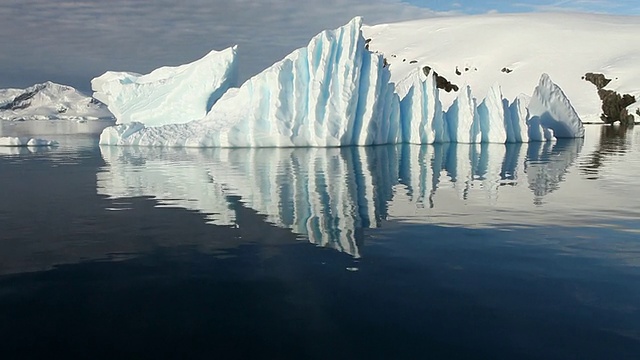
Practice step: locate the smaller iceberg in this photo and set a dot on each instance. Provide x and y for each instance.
(25, 141)
(168, 95)
(551, 109)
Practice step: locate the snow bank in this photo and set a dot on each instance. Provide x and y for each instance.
(514, 49)
(168, 95)
(334, 92)
(25, 141)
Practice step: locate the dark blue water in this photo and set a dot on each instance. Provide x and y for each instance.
(525, 251)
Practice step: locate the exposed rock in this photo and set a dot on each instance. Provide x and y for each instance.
(614, 107)
(413, 61)
(441, 82)
(458, 71)
(599, 80)
(22, 101)
(506, 70)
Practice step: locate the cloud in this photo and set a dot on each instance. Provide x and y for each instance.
(73, 41)
(593, 6)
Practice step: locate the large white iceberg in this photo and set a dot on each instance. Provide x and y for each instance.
(331, 93)
(170, 94)
(335, 92)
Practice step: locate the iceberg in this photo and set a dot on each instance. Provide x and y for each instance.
(421, 112)
(168, 95)
(335, 92)
(550, 107)
(12, 141)
(331, 93)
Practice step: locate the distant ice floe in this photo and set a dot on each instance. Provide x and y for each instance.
(334, 92)
(10, 141)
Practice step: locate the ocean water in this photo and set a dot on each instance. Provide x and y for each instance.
(518, 251)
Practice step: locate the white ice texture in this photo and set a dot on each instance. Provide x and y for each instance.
(49, 101)
(335, 92)
(12, 141)
(168, 95)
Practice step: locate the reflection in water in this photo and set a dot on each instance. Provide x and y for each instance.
(328, 195)
(546, 164)
(614, 141)
(23, 150)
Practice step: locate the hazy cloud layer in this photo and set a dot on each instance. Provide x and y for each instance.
(621, 7)
(72, 41)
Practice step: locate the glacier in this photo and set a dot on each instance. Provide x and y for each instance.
(334, 92)
(170, 94)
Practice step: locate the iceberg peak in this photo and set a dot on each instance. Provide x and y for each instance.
(333, 92)
(551, 108)
(170, 94)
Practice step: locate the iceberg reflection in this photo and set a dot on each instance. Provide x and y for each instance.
(330, 195)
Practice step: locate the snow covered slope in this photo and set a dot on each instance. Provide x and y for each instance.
(513, 50)
(49, 101)
(170, 94)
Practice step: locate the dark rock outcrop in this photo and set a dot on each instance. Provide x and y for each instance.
(599, 80)
(614, 105)
(22, 101)
(441, 82)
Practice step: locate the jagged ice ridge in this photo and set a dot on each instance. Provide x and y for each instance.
(334, 92)
(170, 94)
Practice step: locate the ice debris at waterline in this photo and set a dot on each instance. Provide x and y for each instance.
(168, 95)
(25, 141)
(335, 92)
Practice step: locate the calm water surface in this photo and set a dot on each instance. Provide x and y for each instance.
(520, 251)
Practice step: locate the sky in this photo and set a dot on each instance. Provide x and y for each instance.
(70, 42)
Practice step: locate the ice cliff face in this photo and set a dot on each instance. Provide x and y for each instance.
(332, 92)
(168, 95)
(335, 92)
(552, 110)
